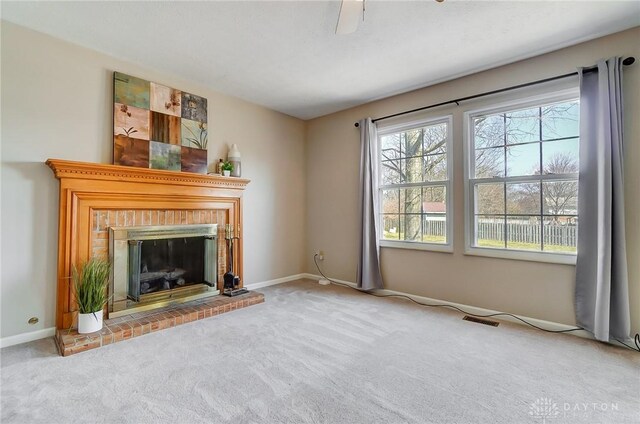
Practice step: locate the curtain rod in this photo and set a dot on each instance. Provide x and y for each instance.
(628, 61)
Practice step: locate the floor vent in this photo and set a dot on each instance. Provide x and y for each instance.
(481, 321)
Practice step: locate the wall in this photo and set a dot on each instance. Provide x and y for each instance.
(57, 103)
(539, 290)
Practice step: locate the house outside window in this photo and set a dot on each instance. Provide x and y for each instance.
(415, 185)
(521, 179)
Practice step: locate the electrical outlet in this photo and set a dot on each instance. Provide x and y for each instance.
(320, 255)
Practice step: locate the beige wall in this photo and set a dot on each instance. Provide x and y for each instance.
(539, 290)
(57, 103)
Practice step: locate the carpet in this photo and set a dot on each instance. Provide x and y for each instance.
(326, 354)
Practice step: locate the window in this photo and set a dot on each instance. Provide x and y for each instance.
(415, 185)
(522, 185)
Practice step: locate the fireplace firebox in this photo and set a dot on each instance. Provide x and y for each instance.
(154, 266)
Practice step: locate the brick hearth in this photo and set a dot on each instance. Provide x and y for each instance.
(118, 329)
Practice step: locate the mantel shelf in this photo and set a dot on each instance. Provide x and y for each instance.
(96, 171)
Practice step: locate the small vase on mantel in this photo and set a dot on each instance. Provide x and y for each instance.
(226, 173)
(234, 159)
(89, 323)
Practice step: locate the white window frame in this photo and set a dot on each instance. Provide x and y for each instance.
(469, 165)
(448, 184)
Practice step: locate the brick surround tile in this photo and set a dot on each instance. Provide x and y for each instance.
(103, 219)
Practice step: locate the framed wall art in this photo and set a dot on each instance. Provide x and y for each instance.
(159, 127)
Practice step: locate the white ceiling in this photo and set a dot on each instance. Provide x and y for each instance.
(285, 55)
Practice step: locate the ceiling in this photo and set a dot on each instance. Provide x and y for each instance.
(285, 55)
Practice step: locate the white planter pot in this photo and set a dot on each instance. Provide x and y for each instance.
(226, 173)
(89, 323)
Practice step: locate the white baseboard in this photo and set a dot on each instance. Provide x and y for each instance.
(27, 337)
(253, 286)
(318, 277)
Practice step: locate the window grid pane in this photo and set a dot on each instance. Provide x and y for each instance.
(489, 231)
(560, 120)
(434, 228)
(523, 232)
(391, 226)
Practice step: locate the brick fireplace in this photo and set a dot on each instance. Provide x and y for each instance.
(160, 223)
(96, 198)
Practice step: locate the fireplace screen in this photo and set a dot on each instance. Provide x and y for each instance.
(154, 264)
(165, 264)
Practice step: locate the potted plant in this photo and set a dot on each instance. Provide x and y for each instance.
(227, 167)
(90, 286)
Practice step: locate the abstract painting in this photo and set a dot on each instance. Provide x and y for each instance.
(194, 160)
(164, 156)
(194, 134)
(130, 121)
(159, 127)
(166, 100)
(165, 128)
(131, 91)
(194, 107)
(131, 151)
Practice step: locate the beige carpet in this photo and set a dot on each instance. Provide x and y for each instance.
(316, 354)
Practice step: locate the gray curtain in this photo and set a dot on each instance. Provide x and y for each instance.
(602, 295)
(369, 277)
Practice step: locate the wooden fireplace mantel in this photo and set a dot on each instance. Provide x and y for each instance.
(89, 187)
(95, 171)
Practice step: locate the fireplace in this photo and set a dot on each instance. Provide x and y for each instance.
(165, 233)
(154, 266)
(105, 207)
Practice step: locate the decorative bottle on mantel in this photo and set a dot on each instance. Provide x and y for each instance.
(219, 167)
(234, 158)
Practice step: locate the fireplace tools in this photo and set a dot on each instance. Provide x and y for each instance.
(231, 281)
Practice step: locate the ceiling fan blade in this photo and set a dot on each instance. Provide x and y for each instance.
(350, 16)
